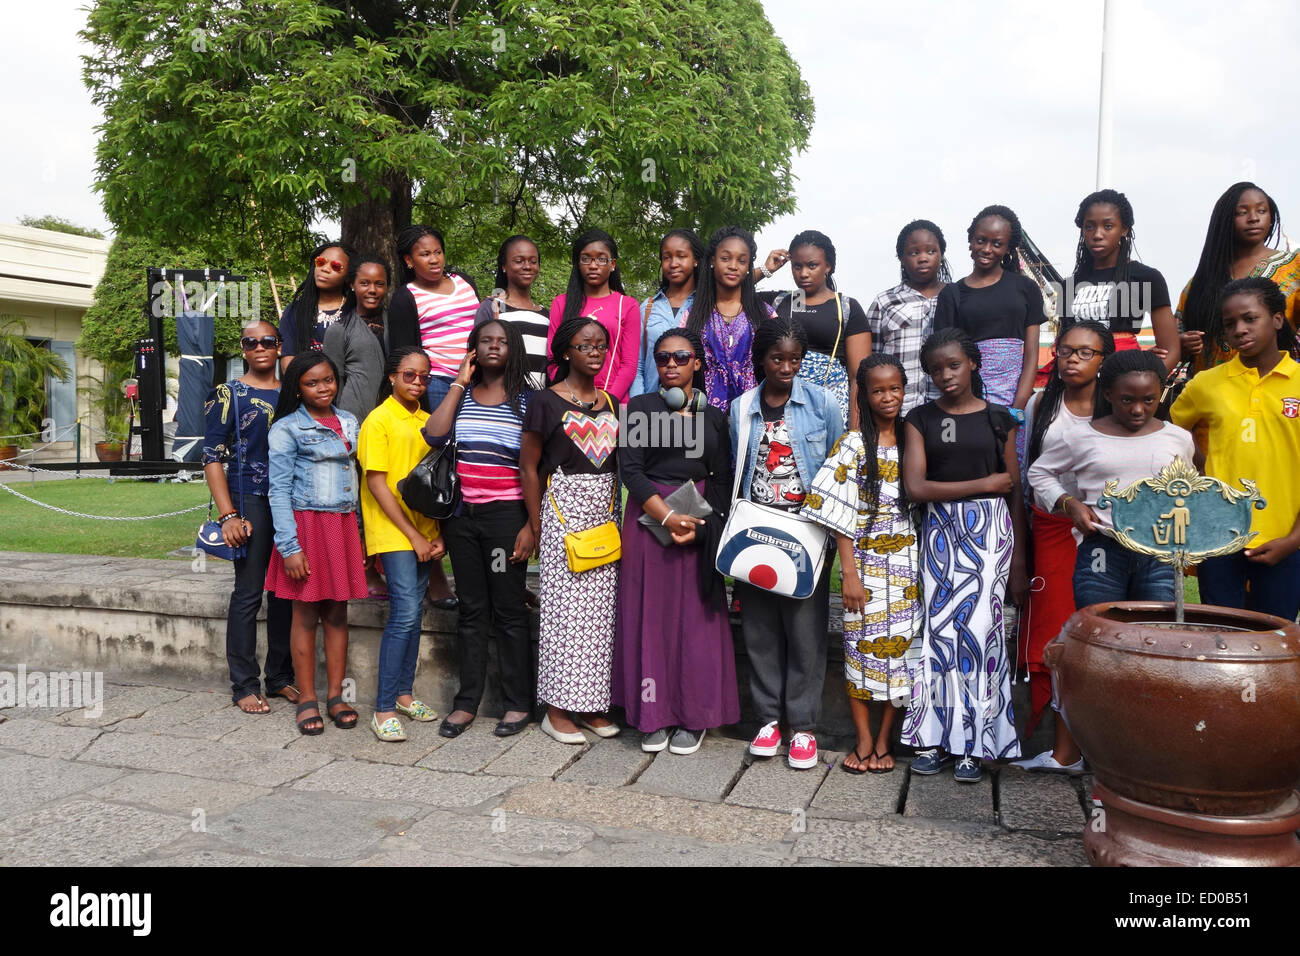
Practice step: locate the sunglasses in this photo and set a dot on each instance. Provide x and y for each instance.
(680, 357)
(268, 342)
(410, 376)
(334, 264)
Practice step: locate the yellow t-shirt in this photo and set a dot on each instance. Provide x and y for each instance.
(1254, 432)
(392, 441)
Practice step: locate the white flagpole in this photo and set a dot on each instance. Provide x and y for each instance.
(1106, 107)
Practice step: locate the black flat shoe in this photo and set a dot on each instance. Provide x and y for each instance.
(446, 604)
(504, 729)
(449, 729)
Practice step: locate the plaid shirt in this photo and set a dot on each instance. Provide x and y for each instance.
(900, 319)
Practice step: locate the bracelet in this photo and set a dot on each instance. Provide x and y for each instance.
(1065, 499)
(222, 519)
(763, 269)
(458, 385)
(666, 517)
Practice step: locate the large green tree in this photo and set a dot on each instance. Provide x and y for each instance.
(520, 115)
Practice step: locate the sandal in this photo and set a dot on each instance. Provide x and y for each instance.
(302, 724)
(262, 706)
(859, 770)
(341, 719)
(291, 689)
(889, 752)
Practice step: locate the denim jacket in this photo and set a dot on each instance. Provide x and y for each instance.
(813, 418)
(311, 470)
(660, 320)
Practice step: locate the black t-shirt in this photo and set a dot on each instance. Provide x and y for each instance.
(1003, 310)
(579, 441)
(700, 450)
(962, 447)
(822, 322)
(1120, 306)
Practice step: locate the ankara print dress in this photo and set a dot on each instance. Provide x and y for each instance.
(882, 645)
(578, 610)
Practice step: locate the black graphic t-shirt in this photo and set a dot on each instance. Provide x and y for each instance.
(1119, 306)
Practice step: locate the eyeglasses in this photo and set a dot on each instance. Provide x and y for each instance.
(410, 376)
(680, 357)
(1087, 355)
(594, 260)
(251, 342)
(587, 349)
(334, 264)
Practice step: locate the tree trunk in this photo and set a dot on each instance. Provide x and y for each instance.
(371, 226)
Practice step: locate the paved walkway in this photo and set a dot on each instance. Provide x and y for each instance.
(170, 774)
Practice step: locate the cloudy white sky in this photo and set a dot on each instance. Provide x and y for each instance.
(923, 111)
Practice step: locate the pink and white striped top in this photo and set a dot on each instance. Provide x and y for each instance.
(445, 324)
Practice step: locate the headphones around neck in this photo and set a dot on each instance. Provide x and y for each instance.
(676, 399)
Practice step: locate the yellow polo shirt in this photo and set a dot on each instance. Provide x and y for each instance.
(392, 441)
(1253, 431)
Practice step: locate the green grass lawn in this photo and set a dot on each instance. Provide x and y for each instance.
(26, 527)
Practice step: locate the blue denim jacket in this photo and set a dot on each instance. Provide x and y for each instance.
(660, 320)
(311, 470)
(813, 418)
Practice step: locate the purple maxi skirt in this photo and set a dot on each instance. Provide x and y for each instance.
(674, 661)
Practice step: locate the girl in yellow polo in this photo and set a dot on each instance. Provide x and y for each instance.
(391, 444)
(1250, 406)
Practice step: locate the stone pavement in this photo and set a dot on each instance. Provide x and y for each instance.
(171, 774)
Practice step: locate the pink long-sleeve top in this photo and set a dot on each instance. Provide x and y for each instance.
(620, 316)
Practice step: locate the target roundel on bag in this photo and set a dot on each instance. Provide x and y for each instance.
(769, 558)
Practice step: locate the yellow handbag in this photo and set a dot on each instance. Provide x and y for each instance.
(594, 547)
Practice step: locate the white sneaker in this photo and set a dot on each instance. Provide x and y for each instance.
(1046, 763)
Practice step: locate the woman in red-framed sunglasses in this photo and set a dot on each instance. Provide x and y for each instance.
(317, 303)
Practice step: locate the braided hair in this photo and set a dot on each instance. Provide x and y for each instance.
(575, 293)
(1083, 255)
(870, 434)
(819, 240)
(1049, 402)
(515, 373)
(499, 279)
(772, 331)
(560, 343)
(706, 289)
(290, 399)
(391, 365)
(1214, 270)
(697, 250)
(1118, 365)
(306, 298)
(919, 225)
(697, 346)
(1272, 299)
(1011, 259)
(949, 336)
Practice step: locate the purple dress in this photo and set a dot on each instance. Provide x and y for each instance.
(728, 347)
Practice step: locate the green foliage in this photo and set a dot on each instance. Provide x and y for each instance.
(487, 118)
(24, 367)
(57, 224)
(108, 398)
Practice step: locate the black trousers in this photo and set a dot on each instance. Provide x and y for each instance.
(490, 589)
(246, 601)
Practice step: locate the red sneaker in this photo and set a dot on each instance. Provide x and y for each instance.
(768, 741)
(803, 751)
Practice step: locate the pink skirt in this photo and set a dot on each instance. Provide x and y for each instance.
(332, 544)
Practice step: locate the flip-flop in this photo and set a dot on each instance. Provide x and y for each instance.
(379, 594)
(861, 759)
(889, 752)
(281, 693)
(266, 708)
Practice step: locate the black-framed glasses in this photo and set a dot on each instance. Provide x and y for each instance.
(680, 357)
(594, 260)
(251, 342)
(1086, 354)
(586, 348)
(410, 376)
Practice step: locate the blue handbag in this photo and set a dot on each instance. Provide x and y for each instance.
(210, 539)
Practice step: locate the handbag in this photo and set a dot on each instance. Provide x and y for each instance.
(433, 486)
(594, 547)
(685, 500)
(210, 540)
(767, 547)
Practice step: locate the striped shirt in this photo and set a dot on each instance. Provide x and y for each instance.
(487, 450)
(445, 324)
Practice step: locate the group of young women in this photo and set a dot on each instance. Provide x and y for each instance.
(910, 431)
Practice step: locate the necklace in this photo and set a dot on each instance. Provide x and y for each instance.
(579, 402)
(733, 315)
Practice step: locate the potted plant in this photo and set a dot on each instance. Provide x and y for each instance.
(24, 368)
(108, 397)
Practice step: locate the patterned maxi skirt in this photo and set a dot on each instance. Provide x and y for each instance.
(578, 614)
(1002, 361)
(961, 694)
(880, 647)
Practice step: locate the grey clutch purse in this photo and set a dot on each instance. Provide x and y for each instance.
(686, 500)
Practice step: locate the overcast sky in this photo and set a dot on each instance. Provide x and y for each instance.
(923, 111)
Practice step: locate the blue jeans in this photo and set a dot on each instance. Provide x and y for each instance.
(1274, 590)
(1106, 571)
(399, 647)
(246, 601)
(437, 391)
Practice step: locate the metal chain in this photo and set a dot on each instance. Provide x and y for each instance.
(78, 514)
(177, 476)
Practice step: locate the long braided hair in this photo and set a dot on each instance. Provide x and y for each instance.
(1011, 258)
(918, 225)
(949, 336)
(706, 289)
(515, 373)
(1052, 396)
(1083, 255)
(560, 343)
(1214, 269)
(818, 240)
(1120, 364)
(306, 298)
(575, 293)
(870, 434)
(391, 365)
(769, 333)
